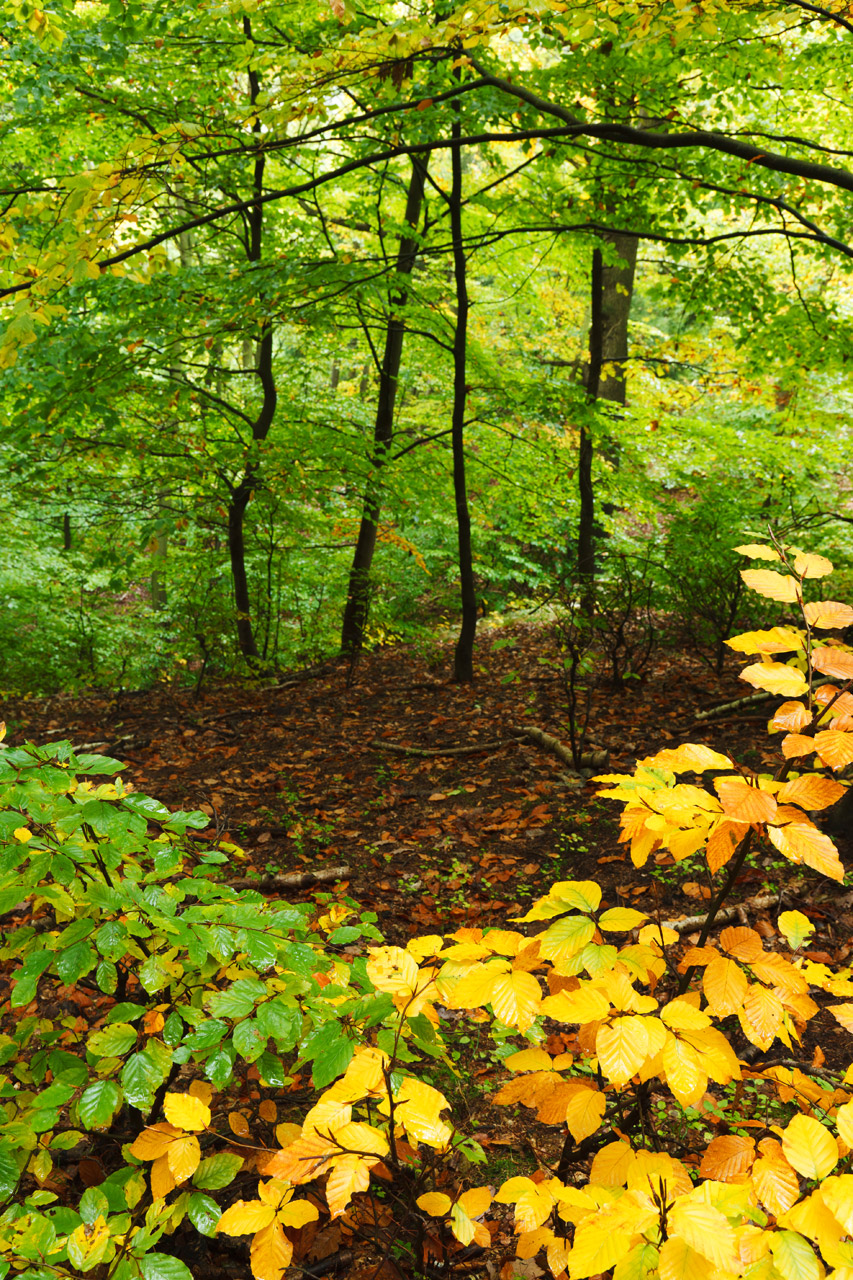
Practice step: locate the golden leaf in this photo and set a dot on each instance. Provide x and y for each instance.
(435, 1203)
(792, 716)
(325, 1116)
(742, 943)
(775, 677)
(685, 1074)
(843, 1013)
(350, 1175)
(831, 661)
(762, 1015)
(811, 791)
(692, 756)
(802, 842)
(301, 1160)
(596, 1251)
(621, 919)
(622, 1048)
(728, 1158)
(834, 747)
(743, 802)
(844, 1124)
(777, 640)
(238, 1124)
(184, 1156)
(393, 970)
(829, 615)
(185, 1111)
(245, 1217)
(154, 1141)
(704, 1229)
(515, 999)
(271, 1253)
(505, 942)
(724, 986)
(837, 1195)
(529, 1060)
(202, 1089)
(417, 1108)
(795, 745)
(552, 1106)
(758, 551)
(771, 585)
(588, 1004)
(268, 1111)
(808, 565)
(611, 1164)
(162, 1178)
(476, 1200)
(677, 1261)
(585, 1113)
(682, 1015)
(809, 1147)
(776, 1184)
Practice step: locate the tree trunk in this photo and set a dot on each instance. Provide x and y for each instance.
(586, 521)
(617, 287)
(358, 590)
(463, 659)
(241, 492)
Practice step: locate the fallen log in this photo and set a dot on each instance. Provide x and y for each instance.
(400, 750)
(758, 903)
(293, 880)
(588, 760)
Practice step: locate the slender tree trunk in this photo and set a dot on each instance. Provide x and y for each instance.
(463, 660)
(586, 522)
(358, 590)
(241, 492)
(617, 286)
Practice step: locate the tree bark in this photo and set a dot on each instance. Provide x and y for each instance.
(586, 520)
(358, 591)
(617, 287)
(463, 658)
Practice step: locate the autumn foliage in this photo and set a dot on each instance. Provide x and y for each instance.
(203, 981)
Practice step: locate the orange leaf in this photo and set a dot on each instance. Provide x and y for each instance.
(162, 1178)
(830, 661)
(743, 802)
(154, 1141)
(238, 1124)
(724, 986)
(271, 1253)
(811, 791)
(742, 943)
(834, 747)
(791, 716)
(776, 1184)
(802, 842)
(728, 1158)
(268, 1111)
(828, 614)
(797, 744)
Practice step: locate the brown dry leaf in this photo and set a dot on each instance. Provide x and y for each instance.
(238, 1124)
(268, 1111)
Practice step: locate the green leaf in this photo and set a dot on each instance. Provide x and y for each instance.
(347, 933)
(216, 1172)
(74, 962)
(250, 1041)
(162, 1266)
(203, 1213)
(99, 1104)
(239, 1000)
(114, 1041)
(332, 1054)
(281, 1020)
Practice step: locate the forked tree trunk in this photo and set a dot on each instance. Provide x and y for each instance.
(463, 658)
(358, 590)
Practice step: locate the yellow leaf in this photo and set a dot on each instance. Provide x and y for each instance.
(302, 1160)
(843, 1013)
(505, 942)
(271, 1253)
(776, 677)
(287, 1133)
(834, 747)
(795, 928)
(792, 716)
(565, 938)
(22, 834)
(809, 1147)
(557, 1253)
(743, 802)
(762, 1016)
(844, 1124)
(776, 1184)
(682, 1015)
(595, 1251)
(611, 1164)
(795, 745)
(185, 1111)
(829, 615)
(622, 1048)
(704, 1229)
(184, 1155)
(515, 999)
(393, 970)
(299, 1212)
(802, 842)
(154, 1141)
(777, 640)
(692, 756)
(793, 1257)
(837, 1195)
(811, 791)
(245, 1217)
(162, 1178)
(724, 986)
(773, 586)
(429, 945)
(585, 1113)
(621, 919)
(566, 895)
(202, 1089)
(728, 1158)
(350, 1176)
(529, 1060)
(812, 566)
(475, 988)
(677, 1261)
(417, 1108)
(831, 661)
(435, 1203)
(758, 551)
(476, 1201)
(587, 1004)
(742, 942)
(684, 1071)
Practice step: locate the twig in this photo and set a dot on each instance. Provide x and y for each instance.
(400, 750)
(294, 880)
(751, 698)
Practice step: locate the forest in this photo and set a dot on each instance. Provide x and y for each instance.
(427, 664)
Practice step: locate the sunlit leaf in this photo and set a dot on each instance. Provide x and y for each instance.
(185, 1111)
(758, 551)
(245, 1217)
(771, 585)
(776, 678)
(728, 1158)
(809, 1147)
(829, 615)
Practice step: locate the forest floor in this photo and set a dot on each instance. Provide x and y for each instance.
(302, 776)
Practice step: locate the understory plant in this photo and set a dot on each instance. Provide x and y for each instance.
(200, 1018)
